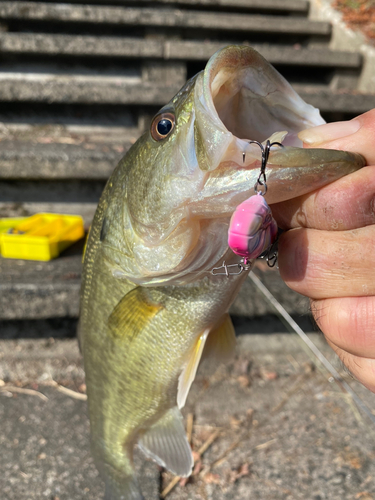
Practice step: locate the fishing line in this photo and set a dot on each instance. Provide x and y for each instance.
(293, 327)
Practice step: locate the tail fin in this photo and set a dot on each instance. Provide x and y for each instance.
(122, 488)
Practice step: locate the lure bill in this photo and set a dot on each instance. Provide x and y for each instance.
(150, 304)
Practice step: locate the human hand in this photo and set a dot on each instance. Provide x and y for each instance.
(327, 252)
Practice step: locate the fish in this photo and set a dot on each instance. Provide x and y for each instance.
(150, 301)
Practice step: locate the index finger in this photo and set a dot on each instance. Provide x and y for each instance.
(348, 203)
(355, 135)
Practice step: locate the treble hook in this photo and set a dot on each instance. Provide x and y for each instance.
(265, 154)
(271, 254)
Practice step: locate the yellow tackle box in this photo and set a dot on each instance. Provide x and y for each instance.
(39, 237)
(9, 223)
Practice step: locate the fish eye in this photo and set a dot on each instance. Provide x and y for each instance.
(162, 125)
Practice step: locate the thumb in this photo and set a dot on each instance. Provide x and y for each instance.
(355, 135)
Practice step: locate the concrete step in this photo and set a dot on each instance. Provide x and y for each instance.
(84, 89)
(58, 153)
(281, 7)
(25, 208)
(340, 101)
(285, 6)
(33, 290)
(40, 290)
(161, 18)
(103, 46)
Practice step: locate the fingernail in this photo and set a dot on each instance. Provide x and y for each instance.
(329, 132)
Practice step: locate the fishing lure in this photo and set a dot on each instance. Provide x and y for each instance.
(252, 229)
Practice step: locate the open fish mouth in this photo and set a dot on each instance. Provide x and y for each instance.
(240, 98)
(253, 100)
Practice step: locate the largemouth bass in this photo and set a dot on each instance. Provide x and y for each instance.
(149, 301)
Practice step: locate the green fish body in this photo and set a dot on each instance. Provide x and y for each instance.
(149, 301)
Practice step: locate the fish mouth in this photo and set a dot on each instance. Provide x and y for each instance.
(245, 98)
(244, 85)
(240, 97)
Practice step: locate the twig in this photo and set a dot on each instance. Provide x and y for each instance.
(349, 400)
(230, 448)
(224, 455)
(72, 394)
(292, 360)
(21, 390)
(170, 486)
(264, 445)
(189, 426)
(68, 392)
(290, 393)
(209, 442)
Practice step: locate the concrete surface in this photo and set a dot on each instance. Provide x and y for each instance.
(77, 45)
(24, 159)
(40, 290)
(51, 88)
(119, 90)
(344, 38)
(162, 17)
(341, 101)
(298, 6)
(285, 432)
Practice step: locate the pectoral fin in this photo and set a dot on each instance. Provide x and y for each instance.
(134, 311)
(219, 342)
(166, 443)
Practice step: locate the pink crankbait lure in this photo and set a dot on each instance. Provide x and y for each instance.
(252, 228)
